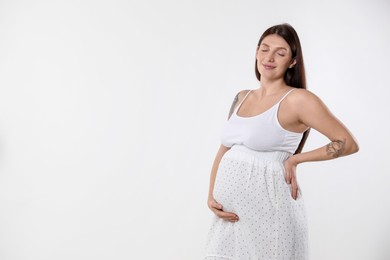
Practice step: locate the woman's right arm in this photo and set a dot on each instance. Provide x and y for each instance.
(211, 202)
(221, 151)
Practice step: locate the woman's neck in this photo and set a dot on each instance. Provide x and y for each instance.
(271, 87)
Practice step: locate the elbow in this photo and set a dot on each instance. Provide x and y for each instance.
(354, 148)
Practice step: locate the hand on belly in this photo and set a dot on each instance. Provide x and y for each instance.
(217, 208)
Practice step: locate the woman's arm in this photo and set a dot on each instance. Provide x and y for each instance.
(313, 113)
(211, 202)
(216, 207)
(221, 151)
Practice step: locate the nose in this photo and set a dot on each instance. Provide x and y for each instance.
(270, 57)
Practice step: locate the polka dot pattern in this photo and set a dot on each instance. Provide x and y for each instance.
(272, 224)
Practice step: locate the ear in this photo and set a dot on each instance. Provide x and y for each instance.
(292, 63)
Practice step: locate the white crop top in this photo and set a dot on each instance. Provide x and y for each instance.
(262, 132)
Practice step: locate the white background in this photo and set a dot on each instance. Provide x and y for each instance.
(110, 114)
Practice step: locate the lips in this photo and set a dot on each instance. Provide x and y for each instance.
(268, 67)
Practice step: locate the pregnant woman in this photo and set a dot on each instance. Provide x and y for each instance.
(258, 206)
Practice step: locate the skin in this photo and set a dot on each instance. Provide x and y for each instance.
(299, 111)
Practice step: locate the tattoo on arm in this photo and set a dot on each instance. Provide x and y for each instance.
(233, 105)
(335, 148)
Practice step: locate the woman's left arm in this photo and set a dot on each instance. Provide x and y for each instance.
(313, 113)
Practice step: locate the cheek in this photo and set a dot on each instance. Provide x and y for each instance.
(284, 62)
(260, 59)
(260, 56)
(258, 63)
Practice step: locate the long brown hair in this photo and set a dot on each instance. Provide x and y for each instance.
(295, 76)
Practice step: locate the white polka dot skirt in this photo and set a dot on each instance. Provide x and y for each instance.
(272, 224)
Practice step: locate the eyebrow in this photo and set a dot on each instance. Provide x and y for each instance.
(283, 48)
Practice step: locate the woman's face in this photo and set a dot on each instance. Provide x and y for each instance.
(274, 57)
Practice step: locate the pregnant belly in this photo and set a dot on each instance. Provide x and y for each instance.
(231, 184)
(248, 187)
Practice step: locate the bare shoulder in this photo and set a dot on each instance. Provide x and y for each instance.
(241, 94)
(237, 99)
(303, 97)
(306, 105)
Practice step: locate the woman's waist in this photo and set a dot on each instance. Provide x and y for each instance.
(272, 155)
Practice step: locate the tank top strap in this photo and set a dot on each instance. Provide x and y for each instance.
(285, 95)
(242, 101)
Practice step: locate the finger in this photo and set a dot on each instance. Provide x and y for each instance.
(232, 219)
(230, 216)
(294, 193)
(288, 177)
(294, 188)
(225, 215)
